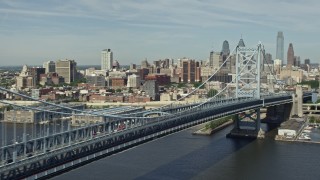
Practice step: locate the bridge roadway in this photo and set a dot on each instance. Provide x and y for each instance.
(45, 156)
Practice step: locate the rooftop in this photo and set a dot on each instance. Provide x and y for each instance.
(293, 124)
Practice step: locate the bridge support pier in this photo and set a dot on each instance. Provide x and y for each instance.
(247, 125)
(278, 114)
(297, 102)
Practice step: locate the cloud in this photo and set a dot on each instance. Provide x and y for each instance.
(141, 28)
(232, 13)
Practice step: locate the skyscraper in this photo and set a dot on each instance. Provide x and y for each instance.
(106, 59)
(290, 57)
(241, 43)
(280, 46)
(50, 66)
(67, 69)
(188, 74)
(268, 59)
(225, 48)
(296, 61)
(211, 59)
(307, 61)
(35, 72)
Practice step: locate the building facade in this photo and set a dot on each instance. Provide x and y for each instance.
(162, 79)
(49, 66)
(133, 81)
(268, 59)
(36, 116)
(25, 79)
(225, 48)
(67, 69)
(106, 59)
(290, 57)
(277, 64)
(36, 72)
(96, 80)
(280, 46)
(151, 88)
(188, 73)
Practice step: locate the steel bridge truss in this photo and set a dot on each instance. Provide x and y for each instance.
(248, 65)
(30, 157)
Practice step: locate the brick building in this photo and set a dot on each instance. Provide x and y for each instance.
(162, 79)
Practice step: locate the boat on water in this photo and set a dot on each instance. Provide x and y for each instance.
(308, 128)
(306, 131)
(43, 122)
(304, 137)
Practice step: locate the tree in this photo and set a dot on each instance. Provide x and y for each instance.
(118, 90)
(78, 81)
(197, 84)
(180, 85)
(212, 92)
(111, 90)
(313, 83)
(130, 90)
(312, 119)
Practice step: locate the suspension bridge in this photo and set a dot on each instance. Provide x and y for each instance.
(53, 150)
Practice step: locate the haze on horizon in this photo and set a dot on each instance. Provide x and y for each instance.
(35, 31)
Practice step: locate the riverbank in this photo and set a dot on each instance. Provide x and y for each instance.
(205, 131)
(277, 138)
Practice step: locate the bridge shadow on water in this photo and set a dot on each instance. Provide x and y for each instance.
(177, 156)
(193, 163)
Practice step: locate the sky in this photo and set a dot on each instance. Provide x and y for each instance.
(35, 31)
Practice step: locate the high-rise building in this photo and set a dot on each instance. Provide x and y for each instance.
(307, 61)
(225, 48)
(216, 59)
(67, 69)
(133, 81)
(144, 64)
(106, 59)
(35, 72)
(198, 72)
(268, 59)
(241, 43)
(26, 78)
(188, 74)
(290, 57)
(277, 63)
(211, 59)
(280, 46)
(296, 61)
(133, 66)
(50, 66)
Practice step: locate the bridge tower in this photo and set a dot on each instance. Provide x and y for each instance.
(248, 71)
(248, 83)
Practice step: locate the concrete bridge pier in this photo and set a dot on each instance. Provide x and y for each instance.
(297, 101)
(247, 125)
(278, 114)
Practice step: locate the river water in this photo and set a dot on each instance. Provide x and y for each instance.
(186, 156)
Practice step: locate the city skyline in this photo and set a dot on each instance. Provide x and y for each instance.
(34, 32)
